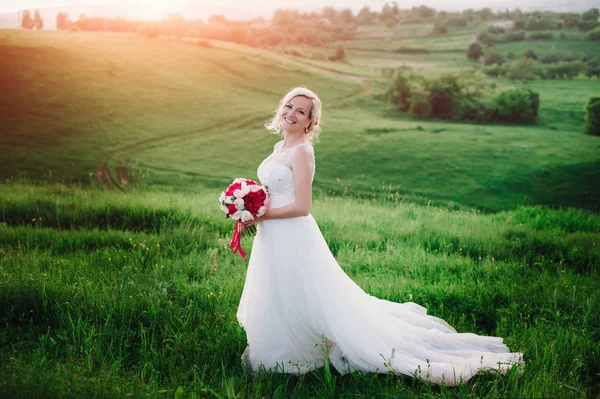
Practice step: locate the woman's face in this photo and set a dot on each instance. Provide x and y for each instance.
(296, 114)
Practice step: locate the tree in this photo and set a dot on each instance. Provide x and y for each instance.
(522, 70)
(474, 51)
(591, 15)
(365, 16)
(529, 54)
(592, 115)
(62, 21)
(38, 22)
(27, 21)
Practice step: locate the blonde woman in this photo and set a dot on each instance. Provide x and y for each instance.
(298, 307)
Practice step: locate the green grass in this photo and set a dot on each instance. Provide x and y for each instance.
(113, 294)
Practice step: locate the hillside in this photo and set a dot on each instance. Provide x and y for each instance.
(119, 108)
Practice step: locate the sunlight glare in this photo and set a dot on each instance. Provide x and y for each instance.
(151, 10)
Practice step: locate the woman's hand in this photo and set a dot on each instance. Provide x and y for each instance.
(253, 221)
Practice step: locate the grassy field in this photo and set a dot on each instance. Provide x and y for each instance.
(105, 294)
(111, 294)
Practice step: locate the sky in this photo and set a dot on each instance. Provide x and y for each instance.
(160, 7)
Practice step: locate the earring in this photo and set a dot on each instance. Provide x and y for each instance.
(306, 129)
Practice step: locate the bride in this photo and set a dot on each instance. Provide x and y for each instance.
(300, 309)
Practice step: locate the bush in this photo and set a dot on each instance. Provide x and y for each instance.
(553, 58)
(510, 55)
(516, 106)
(539, 24)
(540, 36)
(399, 92)
(472, 110)
(151, 30)
(419, 104)
(291, 51)
(594, 34)
(485, 37)
(496, 30)
(520, 24)
(593, 68)
(529, 54)
(592, 115)
(340, 53)
(586, 26)
(512, 36)
(319, 55)
(495, 70)
(474, 52)
(522, 70)
(564, 70)
(444, 95)
(494, 58)
(390, 23)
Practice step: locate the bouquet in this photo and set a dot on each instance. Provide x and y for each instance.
(243, 200)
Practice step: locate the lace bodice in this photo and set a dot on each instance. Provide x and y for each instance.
(275, 173)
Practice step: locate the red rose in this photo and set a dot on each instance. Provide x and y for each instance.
(232, 209)
(232, 188)
(254, 200)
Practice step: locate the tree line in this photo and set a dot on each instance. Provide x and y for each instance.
(27, 22)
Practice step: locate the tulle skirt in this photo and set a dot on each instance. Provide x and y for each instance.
(299, 309)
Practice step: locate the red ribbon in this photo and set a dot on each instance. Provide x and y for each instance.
(236, 240)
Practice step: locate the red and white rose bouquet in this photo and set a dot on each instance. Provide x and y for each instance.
(244, 200)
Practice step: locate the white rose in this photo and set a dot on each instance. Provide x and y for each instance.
(239, 204)
(241, 192)
(261, 211)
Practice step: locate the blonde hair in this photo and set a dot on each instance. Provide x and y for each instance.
(315, 113)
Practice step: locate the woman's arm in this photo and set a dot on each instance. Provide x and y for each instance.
(302, 164)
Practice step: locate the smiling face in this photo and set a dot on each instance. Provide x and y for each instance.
(296, 114)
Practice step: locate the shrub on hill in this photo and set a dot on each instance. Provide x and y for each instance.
(399, 92)
(496, 30)
(507, 37)
(466, 96)
(592, 115)
(512, 36)
(594, 34)
(494, 58)
(553, 58)
(516, 105)
(420, 105)
(340, 53)
(319, 55)
(444, 95)
(539, 24)
(474, 52)
(151, 30)
(540, 36)
(495, 70)
(593, 14)
(521, 70)
(586, 26)
(563, 70)
(593, 68)
(529, 54)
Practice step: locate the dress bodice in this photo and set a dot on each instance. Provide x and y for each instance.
(276, 174)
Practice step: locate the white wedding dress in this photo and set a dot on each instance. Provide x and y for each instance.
(300, 309)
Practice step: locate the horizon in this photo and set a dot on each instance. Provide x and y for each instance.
(157, 9)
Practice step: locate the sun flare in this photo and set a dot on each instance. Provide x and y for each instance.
(152, 10)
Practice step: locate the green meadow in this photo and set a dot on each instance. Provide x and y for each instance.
(115, 275)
